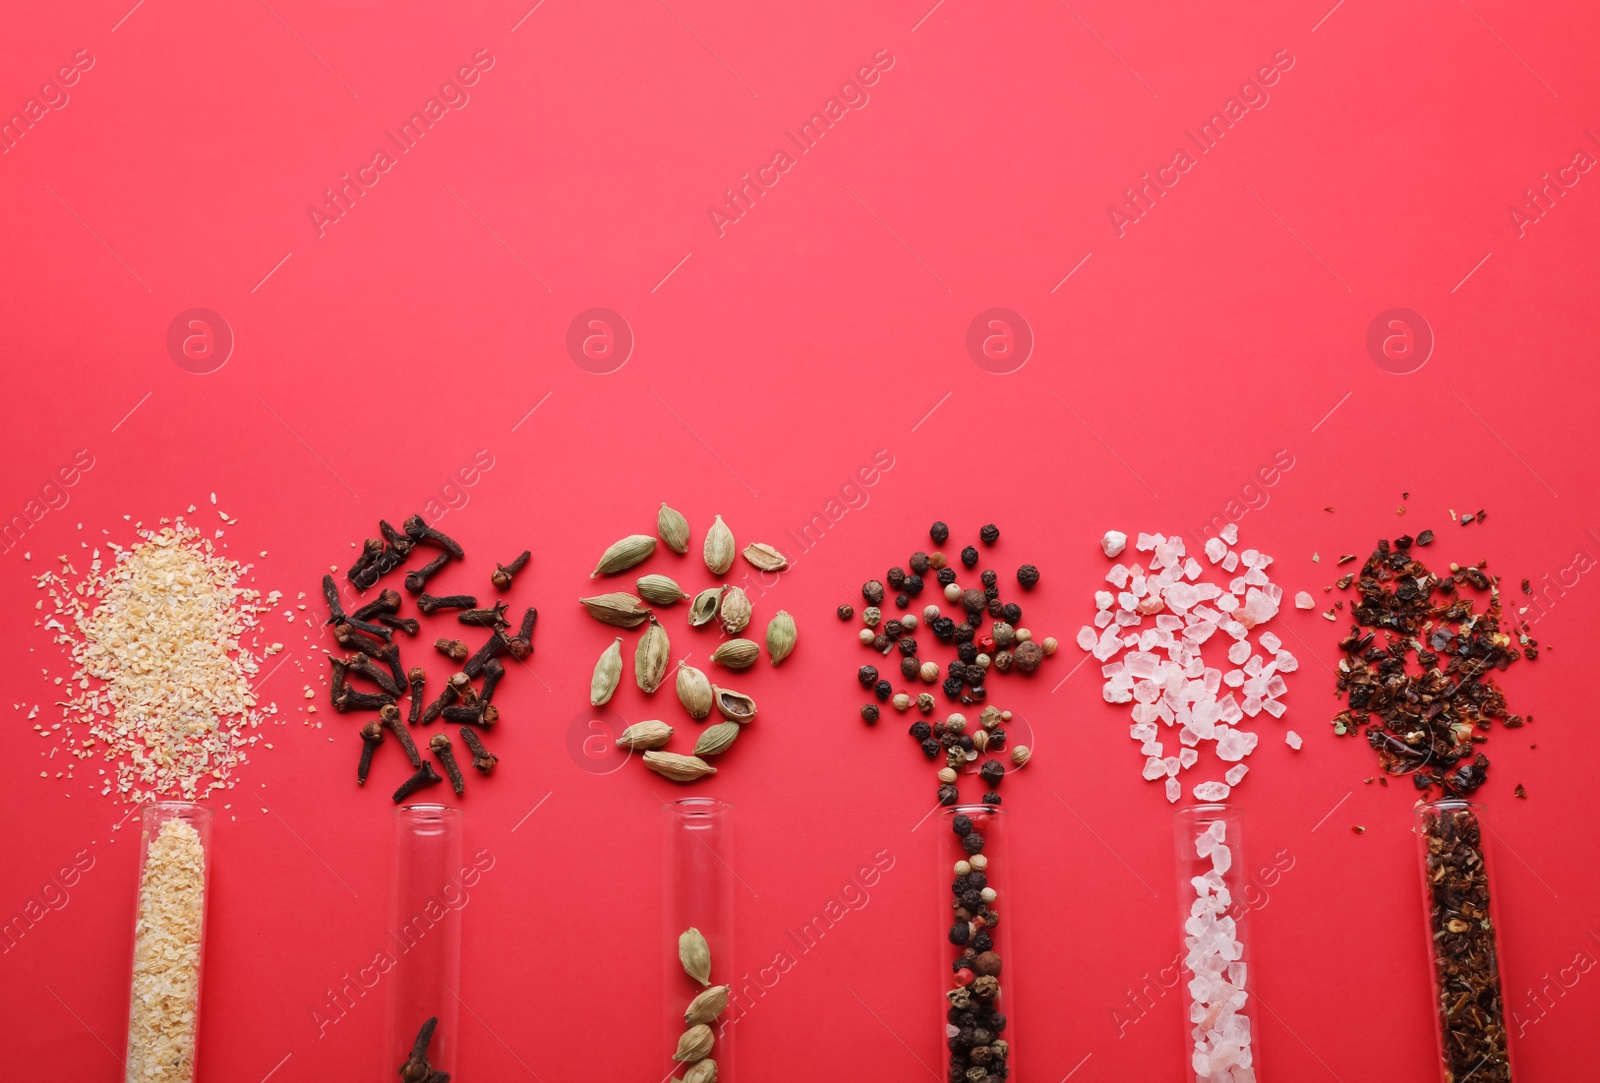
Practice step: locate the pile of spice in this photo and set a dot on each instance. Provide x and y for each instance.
(1466, 971)
(162, 640)
(369, 632)
(1221, 1051)
(974, 1023)
(1163, 669)
(694, 1045)
(1424, 695)
(416, 1068)
(166, 957)
(726, 607)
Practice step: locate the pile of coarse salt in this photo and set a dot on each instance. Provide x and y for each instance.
(164, 677)
(1217, 995)
(1164, 672)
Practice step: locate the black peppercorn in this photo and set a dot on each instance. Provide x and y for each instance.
(902, 600)
(989, 534)
(919, 563)
(883, 690)
(939, 532)
(943, 627)
(990, 579)
(948, 795)
(991, 593)
(971, 900)
(893, 628)
(972, 843)
(960, 933)
(872, 591)
(910, 667)
(846, 612)
(969, 556)
(961, 825)
(982, 942)
(913, 585)
(977, 881)
(881, 643)
(1027, 575)
(995, 608)
(867, 675)
(869, 712)
(967, 652)
(908, 646)
(972, 600)
(965, 741)
(931, 748)
(946, 576)
(964, 632)
(952, 687)
(955, 668)
(896, 577)
(992, 771)
(991, 798)
(1011, 613)
(920, 730)
(997, 739)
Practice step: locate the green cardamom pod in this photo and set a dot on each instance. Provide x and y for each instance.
(678, 768)
(736, 653)
(781, 635)
(716, 739)
(674, 529)
(765, 557)
(650, 659)
(705, 1008)
(694, 691)
(695, 1043)
(624, 555)
(607, 672)
(660, 589)
(718, 547)
(734, 706)
(695, 955)
(703, 610)
(618, 608)
(704, 1071)
(645, 735)
(735, 609)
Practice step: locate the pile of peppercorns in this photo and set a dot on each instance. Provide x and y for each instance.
(977, 1052)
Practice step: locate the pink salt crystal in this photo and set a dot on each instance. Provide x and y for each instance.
(1216, 549)
(1230, 533)
(1086, 638)
(1233, 774)
(1292, 739)
(1214, 791)
(1174, 790)
(1304, 601)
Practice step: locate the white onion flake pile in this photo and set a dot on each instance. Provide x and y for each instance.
(1151, 635)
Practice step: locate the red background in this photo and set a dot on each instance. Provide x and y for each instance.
(769, 364)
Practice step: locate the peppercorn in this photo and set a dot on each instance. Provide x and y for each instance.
(983, 942)
(1028, 655)
(908, 646)
(990, 579)
(960, 933)
(972, 843)
(971, 900)
(946, 576)
(902, 600)
(893, 628)
(925, 702)
(881, 643)
(1027, 575)
(997, 739)
(931, 748)
(1012, 612)
(964, 632)
(989, 534)
(919, 563)
(976, 693)
(972, 600)
(992, 771)
(991, 798)
(969, 556)
(913, 585)
(846, 612)
(1002, 660)
(920, 730)
(869, 713)
(896, 577)
(910, 667)
(990, 594)
(995, 609)
(967, 652)
(882, 690)
(961, 825)
(936, 560)
(867, 675)
(872, 591)
(943, 627)
(964, 741)
(948, 795)
(1003, 635)
(952, 687)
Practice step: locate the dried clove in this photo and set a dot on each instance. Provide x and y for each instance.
(416, 677)
(503, 573)
(496, 644)
(493, 671)
(366, 667)
(389, 715)
(522, 643)
(430, 604)
(408, 625)
(371, 738)
(386, 602)
(371, 549)
(473, 714)
(482, 758)
(417, 578)
(492, 617)
(416, 1069)
(349, 699)
(418, 530)
(453, 649)
(436, 708)
(425, 776)
(440, 744)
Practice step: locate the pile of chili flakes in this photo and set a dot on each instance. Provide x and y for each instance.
(1424, 694)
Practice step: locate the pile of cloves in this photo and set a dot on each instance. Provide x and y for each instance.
(416, 1068)
(369, 633)
(725, 607)
(1419, 664)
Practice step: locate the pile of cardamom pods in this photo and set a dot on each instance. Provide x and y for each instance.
(694, 1045)
(726, 606)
